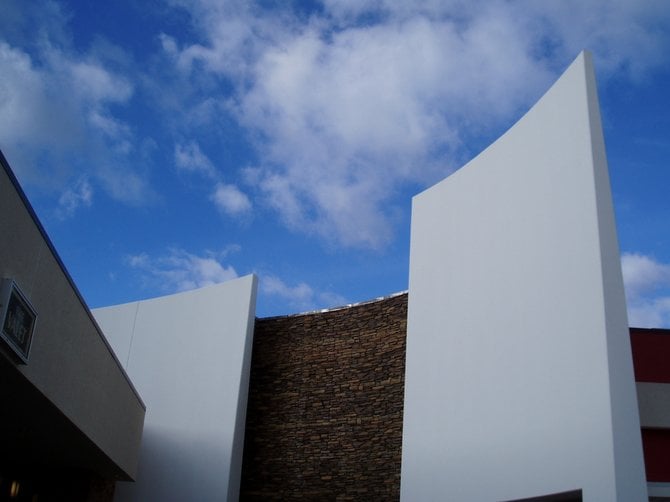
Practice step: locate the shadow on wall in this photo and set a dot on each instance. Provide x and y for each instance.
(164, 445)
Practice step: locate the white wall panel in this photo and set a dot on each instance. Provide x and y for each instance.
(519, 376)
(189, 356)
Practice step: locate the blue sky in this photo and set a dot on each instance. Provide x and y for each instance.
(170, 144)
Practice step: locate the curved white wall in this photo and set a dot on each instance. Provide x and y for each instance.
(519, 378)
(189, 356)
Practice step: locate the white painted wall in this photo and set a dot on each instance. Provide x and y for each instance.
(189, 356)
(519, 378)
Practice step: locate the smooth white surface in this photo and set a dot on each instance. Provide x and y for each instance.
(189, 356)
(519, 378)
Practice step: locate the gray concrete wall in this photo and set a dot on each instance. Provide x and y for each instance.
(70, 362)
(189, 355)
(654, 403)
(519, 379)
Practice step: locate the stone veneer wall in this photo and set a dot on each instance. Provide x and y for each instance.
(325, 407)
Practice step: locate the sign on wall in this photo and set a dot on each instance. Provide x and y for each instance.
(18, 319)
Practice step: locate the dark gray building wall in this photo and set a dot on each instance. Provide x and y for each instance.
(72, 376)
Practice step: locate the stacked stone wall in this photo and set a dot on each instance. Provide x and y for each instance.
(324, 415)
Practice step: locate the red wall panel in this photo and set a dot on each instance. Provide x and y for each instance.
(656, 444)
(651, 354)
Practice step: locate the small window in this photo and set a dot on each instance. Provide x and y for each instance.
(18, 319)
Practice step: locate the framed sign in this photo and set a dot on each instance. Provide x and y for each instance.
(18, 319)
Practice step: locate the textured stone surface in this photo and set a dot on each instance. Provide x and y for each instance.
(324, 416)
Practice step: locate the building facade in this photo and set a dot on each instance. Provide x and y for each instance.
(71, 419)
(505, 373)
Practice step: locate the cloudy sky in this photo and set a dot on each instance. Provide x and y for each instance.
(170, 144)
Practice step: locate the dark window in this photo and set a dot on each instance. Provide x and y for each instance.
(571, 496)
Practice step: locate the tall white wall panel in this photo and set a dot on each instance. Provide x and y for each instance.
(189, 356)
(519, 379)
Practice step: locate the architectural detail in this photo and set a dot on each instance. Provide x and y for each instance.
(505, 373)
(303, 439)
(519, 369)
(651, 353)
(70, 418)
(189, 355)
(324, 420)
(17, 319)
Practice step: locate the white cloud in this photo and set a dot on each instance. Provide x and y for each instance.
(330, 299)
(300, 293)
(39, 108)
(111, 127)
(180, 270)
(57, 115)
(29, 112)
(346, 106)
(189, 157)
(141, 260)
(233, 35)
(353, 104)
(227, 198)
(230, 200)
(647, 283)
(653, 313)
(94, 82)
(301, 296)
(626, 36)
(81, 194)
(643, 275)
(352, 117)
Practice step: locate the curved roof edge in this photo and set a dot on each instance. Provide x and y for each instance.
(339, 307)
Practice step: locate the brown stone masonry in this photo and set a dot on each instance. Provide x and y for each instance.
(324, 416)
